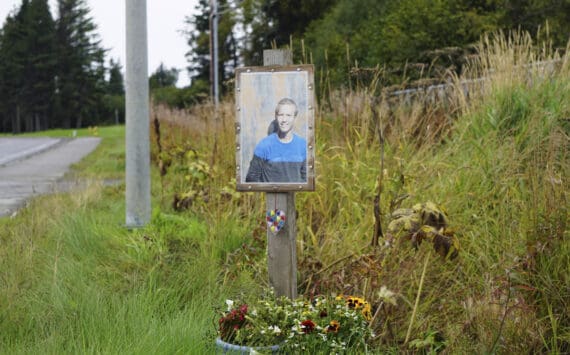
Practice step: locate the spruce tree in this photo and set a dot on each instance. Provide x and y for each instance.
(114, 99)
(5, 63)
(27, 69)
(42, 64)
(81, 65)
(116, 84)
(13, 62)
(163, 77)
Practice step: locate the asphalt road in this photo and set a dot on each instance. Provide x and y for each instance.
(33, 166)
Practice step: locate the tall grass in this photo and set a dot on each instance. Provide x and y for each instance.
(75, 280)
(81, 283)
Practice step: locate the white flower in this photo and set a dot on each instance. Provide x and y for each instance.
(297, 328)
(275, 329)
(230, 304)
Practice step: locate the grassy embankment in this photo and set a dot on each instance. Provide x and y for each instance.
(74, 280)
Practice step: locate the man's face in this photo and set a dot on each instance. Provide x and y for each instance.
(286, 117)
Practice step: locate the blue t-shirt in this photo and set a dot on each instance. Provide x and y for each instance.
(275, 161)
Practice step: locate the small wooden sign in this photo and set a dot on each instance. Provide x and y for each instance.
(275, 131)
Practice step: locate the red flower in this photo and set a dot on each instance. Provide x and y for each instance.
(232, 321)
(308, 326)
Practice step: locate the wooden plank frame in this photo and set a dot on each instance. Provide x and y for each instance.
(257, 92)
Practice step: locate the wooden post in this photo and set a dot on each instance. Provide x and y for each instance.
(277, 57)
(282, 248)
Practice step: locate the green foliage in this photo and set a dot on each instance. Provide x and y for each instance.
(116, 83)
(399, 35)
(114, 108)
(429, 343)
(181, 98)
(163, 77)
(534, 16)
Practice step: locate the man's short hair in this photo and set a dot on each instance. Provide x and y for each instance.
(286, 101)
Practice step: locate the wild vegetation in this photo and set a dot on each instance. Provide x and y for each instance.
(495, 158)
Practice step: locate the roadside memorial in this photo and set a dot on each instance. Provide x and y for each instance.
(275, 140)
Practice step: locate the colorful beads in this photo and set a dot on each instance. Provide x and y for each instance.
(275, 220)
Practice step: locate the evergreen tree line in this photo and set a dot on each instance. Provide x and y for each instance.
(53, 72)
(352, 41)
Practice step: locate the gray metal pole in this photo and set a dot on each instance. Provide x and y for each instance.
(137, 117)
(215, 59)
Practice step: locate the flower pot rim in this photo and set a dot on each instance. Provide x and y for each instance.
(234, 347)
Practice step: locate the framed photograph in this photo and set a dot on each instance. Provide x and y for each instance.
(275, 131)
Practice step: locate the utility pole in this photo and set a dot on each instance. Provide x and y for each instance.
(137, 117)
(214, 50)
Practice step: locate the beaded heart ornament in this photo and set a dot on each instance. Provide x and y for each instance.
(275, 220)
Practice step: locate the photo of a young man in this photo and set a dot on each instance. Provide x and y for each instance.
(275, 134)
(282, 155)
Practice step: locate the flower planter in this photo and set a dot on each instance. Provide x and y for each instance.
(228, 348)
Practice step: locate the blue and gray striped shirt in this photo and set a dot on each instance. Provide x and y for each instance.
(275, 161)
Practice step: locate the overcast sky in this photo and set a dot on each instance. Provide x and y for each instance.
(165, 19)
